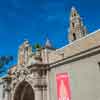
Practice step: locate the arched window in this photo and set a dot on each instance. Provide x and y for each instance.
(24, 92)
(74, 14)
(74, 36)
(73, 25)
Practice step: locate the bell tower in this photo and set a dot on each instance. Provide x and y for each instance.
(76, 29)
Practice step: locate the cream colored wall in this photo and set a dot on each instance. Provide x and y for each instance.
(52, 57)
(87, 42)
(84, 79)
(82, 44)
(1, 91)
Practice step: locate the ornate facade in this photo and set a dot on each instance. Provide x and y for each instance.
(33, 77)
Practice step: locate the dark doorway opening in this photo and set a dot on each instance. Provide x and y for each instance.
(24, 92)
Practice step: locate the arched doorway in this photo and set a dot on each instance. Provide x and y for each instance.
(24, 92)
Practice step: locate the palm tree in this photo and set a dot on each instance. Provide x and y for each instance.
(5, 60)
(2, 61)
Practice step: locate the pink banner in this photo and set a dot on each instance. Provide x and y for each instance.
(63, 86)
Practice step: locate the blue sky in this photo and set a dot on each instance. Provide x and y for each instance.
(34, 19)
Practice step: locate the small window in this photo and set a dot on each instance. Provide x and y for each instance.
(74, 36)
(74, 14)
(73, 25)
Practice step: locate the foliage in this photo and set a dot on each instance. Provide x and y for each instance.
(36, 46)
(5, 60)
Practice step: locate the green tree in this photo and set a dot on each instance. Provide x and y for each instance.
(36, 46)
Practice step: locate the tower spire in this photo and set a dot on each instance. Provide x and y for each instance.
(77, 29)
(74, 12)
(73, 9)
(48, 43)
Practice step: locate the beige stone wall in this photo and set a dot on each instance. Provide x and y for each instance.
(85, 43)
(52, 57)
(1, 90)
(84, 72)
(84, 79)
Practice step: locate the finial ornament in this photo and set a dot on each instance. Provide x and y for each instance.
(73, 8)
(48, 43)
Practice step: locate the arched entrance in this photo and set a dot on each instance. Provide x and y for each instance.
(24, 92)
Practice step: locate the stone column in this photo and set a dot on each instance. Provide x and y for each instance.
(9, 95)
(45, 94)
(48, 94)
(38, 94)
(6, 96)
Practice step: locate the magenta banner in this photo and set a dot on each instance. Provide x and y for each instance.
(63, 86)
